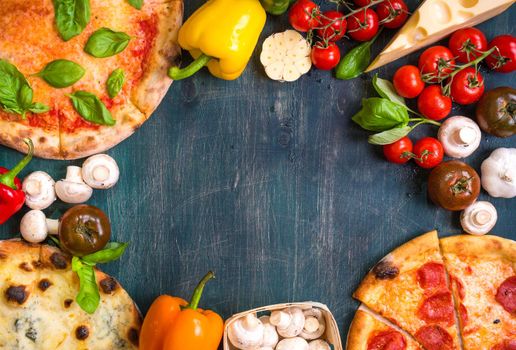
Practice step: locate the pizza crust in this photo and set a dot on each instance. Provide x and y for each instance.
(46, 142)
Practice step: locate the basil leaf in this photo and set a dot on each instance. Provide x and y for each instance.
(380, 114)
(389, 136)
(91, 108)
(72, 16)
(386, 89)
(39, 108)
(112, 251)
(355, 62)
(115, 82)
(106, 42)
(89, 296)
(137, 4)
(62, 73)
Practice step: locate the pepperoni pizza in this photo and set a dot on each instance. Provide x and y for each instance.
(78, 77)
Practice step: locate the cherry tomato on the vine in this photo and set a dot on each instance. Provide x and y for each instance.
(392, 13)
(467, 86)
(399, 152)
(467, 44)
(333, 26)
(325, 57)
(362, 3)
(433, 104)
(363, 25)
(428, 152)
(504, 59)
(436, 62)
(407, 81)
(304, 15)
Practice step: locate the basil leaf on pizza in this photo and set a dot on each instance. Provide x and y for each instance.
(91, 108)
(72, 16)
(15, 92)
(62, 73)
(106, 43)
(89, 296)
(137, 4)
(115, 82)
(111, 252)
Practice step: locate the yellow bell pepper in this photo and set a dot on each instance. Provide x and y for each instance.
(221, 34)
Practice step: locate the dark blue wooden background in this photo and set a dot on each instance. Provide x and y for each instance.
(271, 185)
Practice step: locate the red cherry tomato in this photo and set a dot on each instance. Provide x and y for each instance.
(436, 62)
(363, 25)
(304, 15)
(407, 81)
(362, 3)
(428, 152)
(325, 57)
(399, 152)
(467, 86)
(433, 104)
(467, 44)
(333, 26)
(392, 13)
(504, 59)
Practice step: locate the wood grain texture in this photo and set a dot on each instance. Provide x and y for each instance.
(270, 185)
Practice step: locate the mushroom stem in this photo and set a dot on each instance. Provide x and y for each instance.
(280, 319)
(101, 173)
(52, 226)
(33, 187)
(74, 174)
(465, 135)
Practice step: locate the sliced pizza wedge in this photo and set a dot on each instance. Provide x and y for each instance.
(409, 287)
(370, 332)
(483, 274)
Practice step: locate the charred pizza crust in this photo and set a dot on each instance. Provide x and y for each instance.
(38, 308)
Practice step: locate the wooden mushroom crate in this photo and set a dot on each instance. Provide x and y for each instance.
(331, 334)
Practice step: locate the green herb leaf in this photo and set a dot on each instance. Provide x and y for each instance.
(386, 89)
(15, 92)
(106, 42)
(115, 82)
(72, 16)
(89, 296)
(111, 252)
(91, 108)
(389, 136)
(380, 114)
(137, 4)
(61, 73)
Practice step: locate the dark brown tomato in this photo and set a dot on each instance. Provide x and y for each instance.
(496, 112)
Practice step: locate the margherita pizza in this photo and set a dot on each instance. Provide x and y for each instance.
(79, 76)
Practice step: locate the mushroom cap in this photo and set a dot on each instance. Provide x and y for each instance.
(72, 189)
(270, 335)
(246, 332)
(460, 136)
(296, 343)
(33, 226)
(294, 327)
(499, 173)
(318, 344)
(315, 324)
(39, 188)
(479, 218)
(100, 171)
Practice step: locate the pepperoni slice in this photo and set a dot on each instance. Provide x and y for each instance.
(463, 314)
(434, 337)
(387, 340)
(460, 287)
(437, 308)
(431, 275)
(506, 345)
(506, 294)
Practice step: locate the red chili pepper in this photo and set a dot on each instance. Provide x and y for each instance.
(11, 195)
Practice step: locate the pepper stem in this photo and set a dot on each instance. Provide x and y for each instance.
(196, 297)
(8, 178)
(177, 73)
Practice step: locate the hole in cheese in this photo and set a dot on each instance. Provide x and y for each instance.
(468, 3)
(441, 11)
(465, 15)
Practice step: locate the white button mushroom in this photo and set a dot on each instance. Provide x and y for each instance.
(73, 189)
(289, 322)
(479, 218)
(318, 345)
(315, 324)
(35, 227)
(100, 171)
(39, 190)
(499, 173)
(270, 335)
(460, 136)
(246, 333)
(292, 344)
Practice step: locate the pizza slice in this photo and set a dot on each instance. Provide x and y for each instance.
(409, 287)
(483, 274)
(370, 332)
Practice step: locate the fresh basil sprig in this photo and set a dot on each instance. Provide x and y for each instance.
(91, 108)
(356, 61)
(72, 16)
(15, 92)
(115, 82)
(386, 89)
(61, 73)
(137, 4)
(111, 252)
(106, 42)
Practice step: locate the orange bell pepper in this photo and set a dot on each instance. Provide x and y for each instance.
(174, 324)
